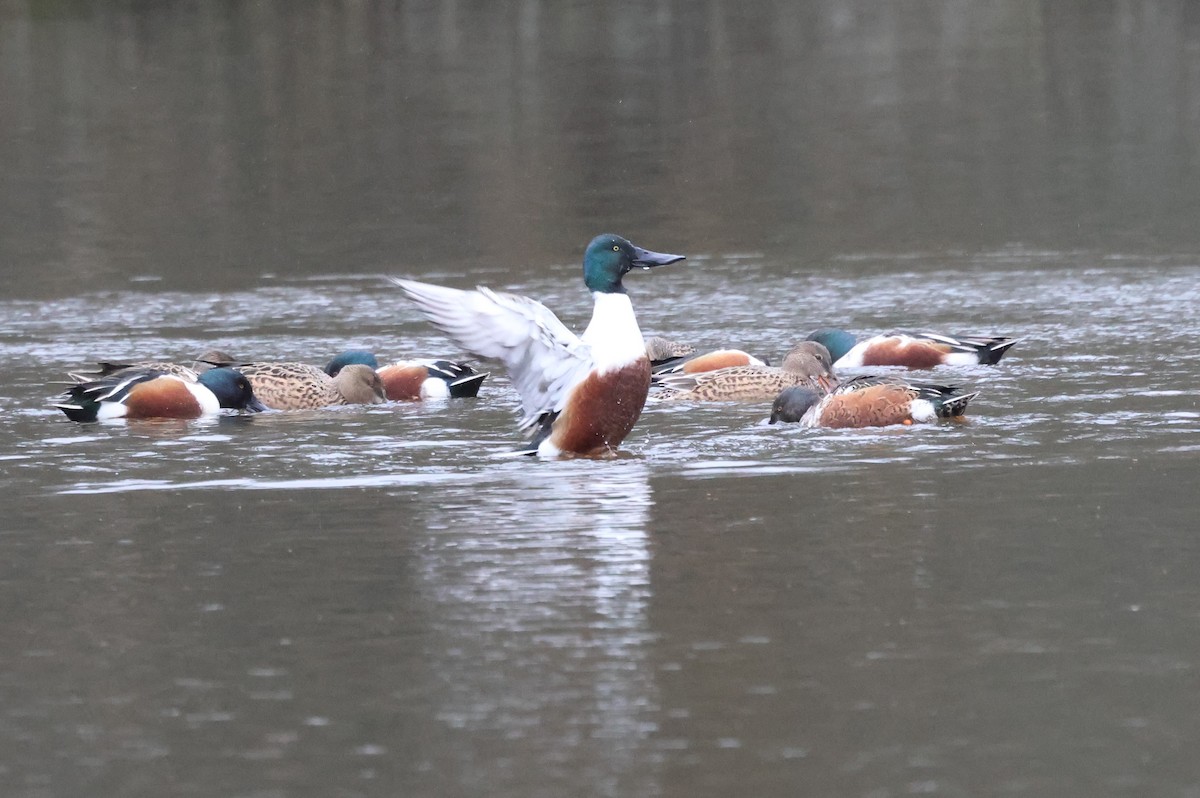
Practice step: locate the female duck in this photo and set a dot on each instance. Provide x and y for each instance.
(299, 386)
(807, 363)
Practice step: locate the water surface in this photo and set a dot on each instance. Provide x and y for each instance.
(379, 601)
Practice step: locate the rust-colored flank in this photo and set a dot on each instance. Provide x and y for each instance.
(874, 406)
(602, 410)
(403, 382)
(720, 359)
(161, 398)
(914, 354)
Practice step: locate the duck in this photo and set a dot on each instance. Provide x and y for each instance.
(202, 362)
(807, 363)
(914, 350)
(155, 394)
(581, 395)
(869, 401)
(299, 386)
(407, 380)
(664, 352)
(710, 361)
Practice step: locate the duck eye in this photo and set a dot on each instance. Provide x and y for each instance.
(616, 248)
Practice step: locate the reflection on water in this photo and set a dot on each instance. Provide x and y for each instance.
(724, 595)
(612, 621)
(195, 145)
(551, 604)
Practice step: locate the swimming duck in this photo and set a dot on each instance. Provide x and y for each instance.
(914, 350)
(299, 386)
(869, 401)
(807, 363)
(579, 394)
(204, 361)
(153, 394)
(415, 379)
(664, 352)
(710, 361)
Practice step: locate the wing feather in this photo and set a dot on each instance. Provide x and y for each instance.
(544, 359)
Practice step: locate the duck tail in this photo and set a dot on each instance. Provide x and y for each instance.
(984, 349)
(946, 400)
(467, 387)
(77, 404)
(83, 412)
(995, 350)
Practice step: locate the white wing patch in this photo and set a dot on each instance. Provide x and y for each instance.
(544, 359)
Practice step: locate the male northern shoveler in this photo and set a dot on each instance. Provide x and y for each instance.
(914, 350)
(807, 363)
(204, 361)
(153, 394)
(580, 394)
(664, 352)
(299, 386)
(710, 361)
(407, 380)
(869, 401)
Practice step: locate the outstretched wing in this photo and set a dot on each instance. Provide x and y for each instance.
(544, 359)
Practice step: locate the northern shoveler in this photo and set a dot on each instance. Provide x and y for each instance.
(711, 361)
(579, 394)
(415, 379)
(913, 350)
(153, 394)
(807, 363)
(204, 361)
(870, 401)
(299, 386)
(664, 352)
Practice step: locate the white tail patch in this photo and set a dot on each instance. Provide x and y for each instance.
(923, 410)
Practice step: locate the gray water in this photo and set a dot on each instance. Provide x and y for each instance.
(376, 601)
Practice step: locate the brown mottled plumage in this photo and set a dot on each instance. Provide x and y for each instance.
(807, 363)
(107, 368)
(663, 351)
(299, 386)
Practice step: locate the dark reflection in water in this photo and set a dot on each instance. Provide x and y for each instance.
(202, 144)
(378, 601)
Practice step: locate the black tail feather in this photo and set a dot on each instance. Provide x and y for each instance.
(467, 387)
(992, 354)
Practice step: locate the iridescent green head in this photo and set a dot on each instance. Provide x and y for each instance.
(232, 389)
(609, 258)
(350, 357)
(838, 342)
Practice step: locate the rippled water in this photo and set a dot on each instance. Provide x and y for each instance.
(379, 601)
(380, 591)
(1089, 380)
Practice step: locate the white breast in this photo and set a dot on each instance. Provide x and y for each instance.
(207, 399)
(613, 333)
